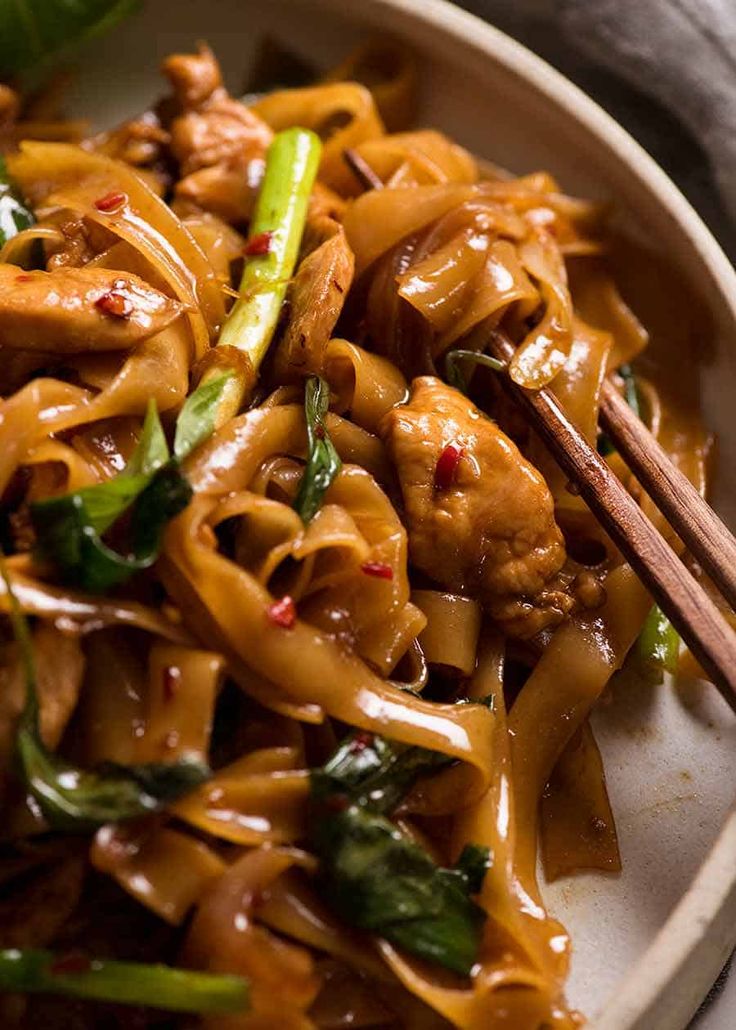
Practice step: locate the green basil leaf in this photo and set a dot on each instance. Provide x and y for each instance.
(68, 532)
(473, 864)
(196, 419)
(374, 876)
(375, 771)
(454, 360)
(33, 971)
(14, 215)
(323, 461)
(78, 800)
(378, 880)
(74, 799)
(30, 30)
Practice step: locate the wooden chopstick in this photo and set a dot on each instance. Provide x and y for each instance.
(681, 598)
(693, 520)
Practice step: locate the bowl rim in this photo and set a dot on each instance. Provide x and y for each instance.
(669, 980)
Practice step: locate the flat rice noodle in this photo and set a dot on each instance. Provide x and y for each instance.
(223, 937)
(143, 860)
(431, 156)
(390, 71)
(342, 113)
(545, 349)
(377, 220)
(576, 826)
(73, 610)
(366, 384)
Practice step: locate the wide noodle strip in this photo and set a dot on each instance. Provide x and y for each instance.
(343, 113)
(302, 625)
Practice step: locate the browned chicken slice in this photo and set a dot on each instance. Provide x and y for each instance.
(214, 131)
(480, 517)
(70, 309)
(316, 299)
(139, 141)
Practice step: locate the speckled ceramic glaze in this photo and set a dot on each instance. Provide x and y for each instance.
(647, 943)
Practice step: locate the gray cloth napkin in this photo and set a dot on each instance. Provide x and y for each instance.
(665, 69)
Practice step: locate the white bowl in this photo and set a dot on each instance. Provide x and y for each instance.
(652, 940)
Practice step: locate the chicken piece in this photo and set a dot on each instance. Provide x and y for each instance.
(223, 190)
(480, 517)
(316, 298)
(139, 142)
(195, 78)
(214, 131)
(74, 248)
(70, 309)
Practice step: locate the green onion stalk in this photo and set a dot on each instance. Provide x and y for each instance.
(35, 971)
(280, 215)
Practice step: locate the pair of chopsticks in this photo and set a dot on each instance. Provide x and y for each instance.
(683, 600)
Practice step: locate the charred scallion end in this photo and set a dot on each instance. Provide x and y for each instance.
(152, 490)
(323, 461)
(658, 646)
(275, 236)
(14, 215)
(78, 800)
(374, 876)
(124, 983)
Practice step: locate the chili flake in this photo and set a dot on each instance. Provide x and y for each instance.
(378, 569)
(361, 741)
(111, 202)
(283, 613)
(115, 303)
(258, 245)
(171, 681)
(446, 468)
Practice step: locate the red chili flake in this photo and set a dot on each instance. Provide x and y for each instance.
(71, 962)
(23, 278)
(361, 741)
(171, 681)
(337, 802)
(111, 202)
(258, 245)
(446, 468)
(319, 431)
(283, 612)
(379, 569)
(115, 304)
